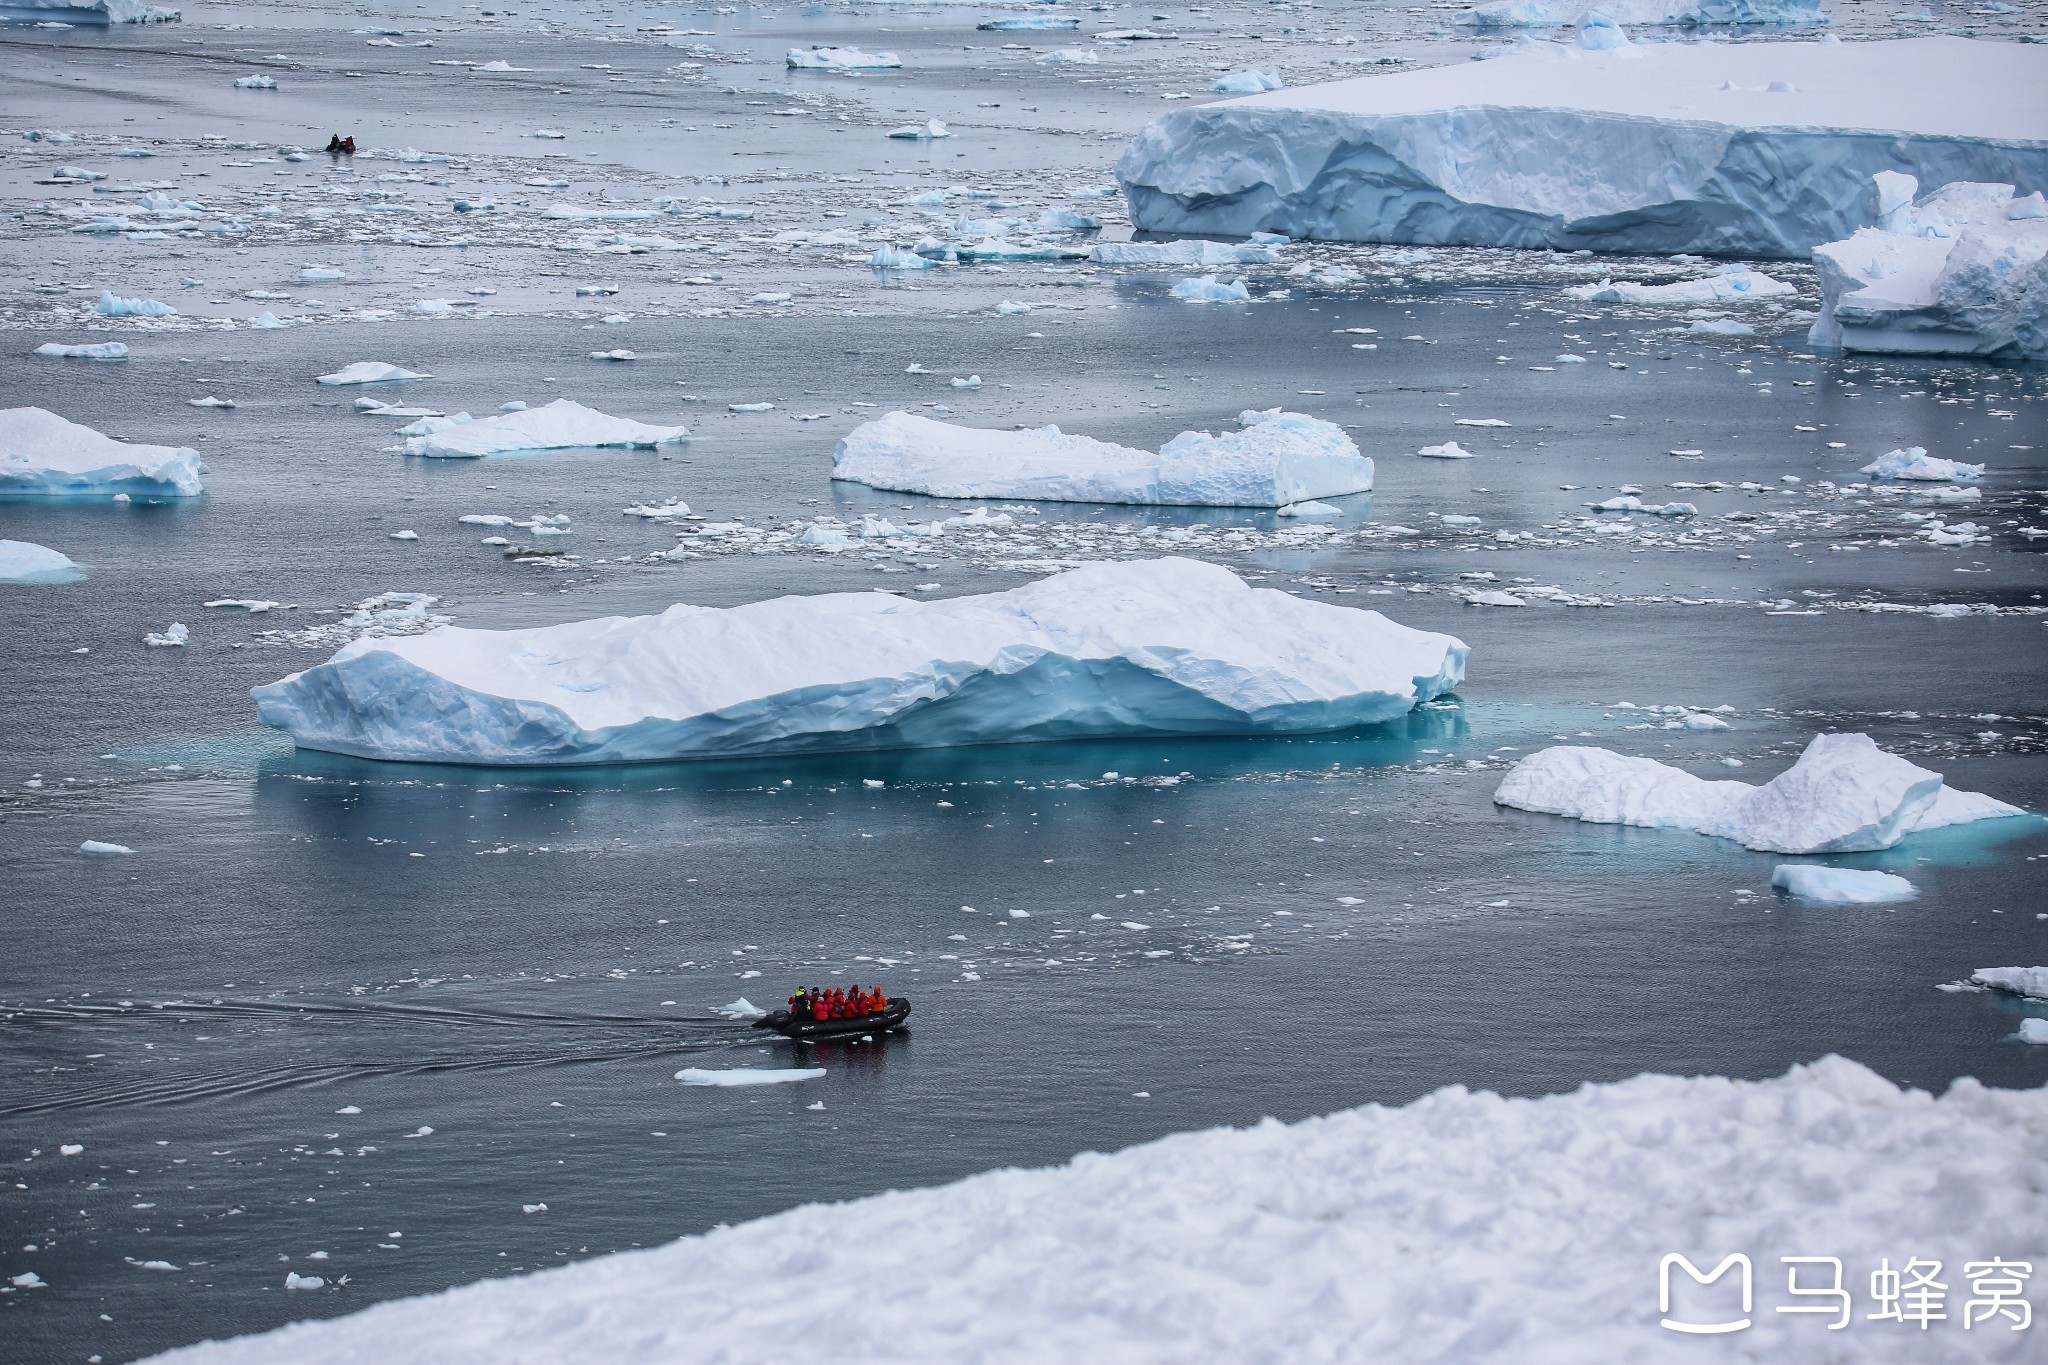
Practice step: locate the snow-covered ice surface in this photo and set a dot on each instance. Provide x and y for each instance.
(1512, 14)
(1840, 885)
(1761, 149)
(1963, 270)
(1277, 458)
(25, 562)
(1435, 1230)
(43, 455)
(747, 1076)
(1844, 795)
(1165, 647)
(91, 11)
(560, 425)
(2031, 982)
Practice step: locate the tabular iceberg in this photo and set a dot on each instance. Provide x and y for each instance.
(1279, 458)
(96, 350)
(840, 59)
(25, 562)
(1460, 1227)
(1659, 148)
(560, 425)
(1963, 271)
(1156, 647)
(1844, 795)
(43, 455)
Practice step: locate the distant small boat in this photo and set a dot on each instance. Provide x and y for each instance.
(791, 1026)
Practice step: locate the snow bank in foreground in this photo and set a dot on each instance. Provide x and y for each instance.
(1841, 885)
(1158, 647)
(24, 561)
(1509, 14)
(1461, 1227)
(1279, 458)
(1673, 146)
(1964, 271)
(2028, 981)
(560, 425)
(43, 455)
(1844, 795)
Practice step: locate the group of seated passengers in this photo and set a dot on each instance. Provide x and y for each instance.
(852, 1003)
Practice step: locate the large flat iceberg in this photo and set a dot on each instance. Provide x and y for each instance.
(1277, 459)
(1462, 1227)
(25, 562)
(1156, 647)
(1844, 795)
(1750, 149)
(560, 425)
(44, 455)
(1962, 271)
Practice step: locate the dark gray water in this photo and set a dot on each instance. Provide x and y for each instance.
(1162, 936)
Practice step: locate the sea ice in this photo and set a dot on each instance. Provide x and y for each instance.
(43, 455)
(95, 12)
(921, 132)
(1277, 459)
(1840, 885)
(2033, 1030)
(1916, 465)
(173, 636)
(95, 848)
(1029, 23)
(841, 59)
(1729, 284)
(560, 425)
(1149, 647)
(1449, 450)
(1209, 289)
(2031, 982)
(1962, 271)
(698, 1075)
(1247, 83)
(98, 350)
(256, 83)
(1511, 14)
(25, 562)
(1183, 252)
(370, 372)
(1844, 795)
(1675, 146)
(1463, 1226)
(112, 305)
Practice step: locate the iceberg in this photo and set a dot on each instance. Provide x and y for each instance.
(1247, 83)
(1914, 464)
(1844, 795)
(44, 455)
(25, 562)
(1184, 252)
(747, 1076)
(370, 372)
(1962, 271)
(1840, 885)
(2031, 982)
(560, 425)
(1449, 450)
(1512, 14)
(1148, 647)
(1209, 289)
(1028, 24)
(108, 12)
(1674, 146)
(1277, 459)
(112, 305)
(1434, 1230)
(1729, 284)
(97, 350)
(840, 59)
(927, 131)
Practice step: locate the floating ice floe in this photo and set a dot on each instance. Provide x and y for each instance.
(560, 425)
(1962, 271)
(1914, 464)
(1844, 795)
(173, 636)
(25, 562)
(43, 455)
(2031, 982)
(1512, 14)
(1460, 1210)
(96, 848)
(1184, 252)
(1840, 885)
(1729, 284)
(1631, 503)
(1277, 459)
(840, 59)
(256, 83)
(896, 258)
(1720, 327)
(921, 132)
(370, 372)
(740, 1076)
(112, 305)
(97, 350)
(742, 1008)
(1449, 450)
(1029, 23)
(1068, 56)
(1247, 83)
(1675, 146)
(1209, 289)
(1148, 647)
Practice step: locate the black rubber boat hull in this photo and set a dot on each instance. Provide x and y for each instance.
(789, 1026)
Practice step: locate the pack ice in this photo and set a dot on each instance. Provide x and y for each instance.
(1150, 647)
(1960, 271)
(1844, 795)
(1750, 149)
(44, 455)
(1462, 1227)
(1277, 459)
(560, 425)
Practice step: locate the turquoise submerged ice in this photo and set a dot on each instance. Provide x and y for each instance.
(1153, 647)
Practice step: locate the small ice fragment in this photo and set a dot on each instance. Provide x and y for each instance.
(95, 848)
(742, 1076)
